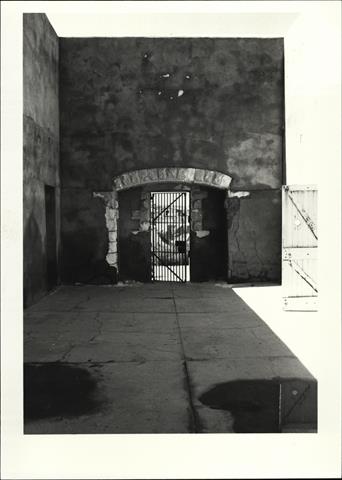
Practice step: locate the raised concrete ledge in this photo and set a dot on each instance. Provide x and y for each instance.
(210, 178)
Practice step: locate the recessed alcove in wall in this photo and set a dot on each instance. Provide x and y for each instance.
(135, 207)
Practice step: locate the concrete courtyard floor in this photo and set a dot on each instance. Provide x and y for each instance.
(159, 358)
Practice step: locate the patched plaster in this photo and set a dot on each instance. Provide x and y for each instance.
(141, 177)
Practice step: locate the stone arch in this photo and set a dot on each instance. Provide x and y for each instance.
(210, 178)
(136, 178)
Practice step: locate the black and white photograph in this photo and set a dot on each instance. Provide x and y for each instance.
(173, 276)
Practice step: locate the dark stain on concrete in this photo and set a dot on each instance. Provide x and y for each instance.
(58, 390)
(253, 403)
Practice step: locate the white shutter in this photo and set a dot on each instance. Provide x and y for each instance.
(299, 257)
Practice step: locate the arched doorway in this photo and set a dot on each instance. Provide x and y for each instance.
(129, 222)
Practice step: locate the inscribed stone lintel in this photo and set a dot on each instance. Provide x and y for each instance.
(172, 174)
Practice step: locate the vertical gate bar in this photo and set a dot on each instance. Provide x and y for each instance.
(179, 267)
(152, 235)
(155, 265)
(162, 216)
(174, 205)
(180, 229)
(170, 236)
(174, 197)
(164, 229)
(184, 234)
(169, 195)
(156, 234)
(167, 271)
(156, 242)
(183, 265)
(176, 236)
(157, 237)
(160, 244)
(180, 236)
(169, 229)
(188, 226)
(160, 241)
(175, 248)
(162, 226)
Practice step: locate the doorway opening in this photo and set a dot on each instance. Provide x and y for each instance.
(170, 236)
(51, 237)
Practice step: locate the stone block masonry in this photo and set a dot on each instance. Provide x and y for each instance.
(144, 177)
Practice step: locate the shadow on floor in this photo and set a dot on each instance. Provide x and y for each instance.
(57, 390)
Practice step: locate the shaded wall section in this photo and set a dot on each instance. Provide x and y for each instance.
(133, 103)
(41, 151)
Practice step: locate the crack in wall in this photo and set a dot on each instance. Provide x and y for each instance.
(235, 232)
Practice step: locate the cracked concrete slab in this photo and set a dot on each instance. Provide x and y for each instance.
(220, 320)
(129, 398)
(202, 344)
(128, 347)
(152, 353)
(208, 305)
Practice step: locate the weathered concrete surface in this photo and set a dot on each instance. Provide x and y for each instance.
(151, 352)
(85, 242)
(138, 103)
(41, 146)
(120, 107)
(254, 237)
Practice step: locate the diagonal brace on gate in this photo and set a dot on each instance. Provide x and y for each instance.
(305, 216)
(167, 207)
(298, 269)
(167, 266)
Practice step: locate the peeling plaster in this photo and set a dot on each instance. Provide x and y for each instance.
(260, 155)
(238, 194)
(111, 216)
(180, 93)
(202, 233)
(148, 176)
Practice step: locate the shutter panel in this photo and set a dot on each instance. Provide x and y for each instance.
(299, 249)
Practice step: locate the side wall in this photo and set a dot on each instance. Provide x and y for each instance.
(134, 103)
(41, 147)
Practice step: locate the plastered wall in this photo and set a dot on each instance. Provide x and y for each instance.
(134, 103)
(41, 147)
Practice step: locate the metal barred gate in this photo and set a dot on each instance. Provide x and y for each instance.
(170, 236)
(300, 241)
